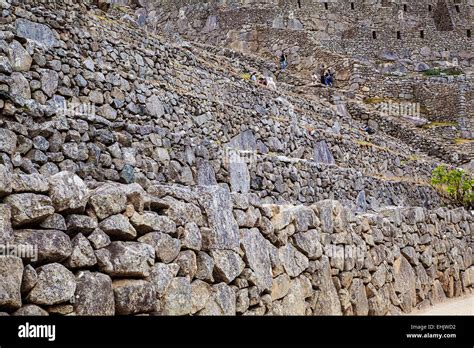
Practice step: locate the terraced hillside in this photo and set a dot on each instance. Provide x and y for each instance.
(143, 175)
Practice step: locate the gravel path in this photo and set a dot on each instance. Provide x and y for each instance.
(457, 306)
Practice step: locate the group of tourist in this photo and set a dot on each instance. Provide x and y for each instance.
(263, 81)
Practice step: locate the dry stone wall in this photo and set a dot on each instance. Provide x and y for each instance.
(112, 249)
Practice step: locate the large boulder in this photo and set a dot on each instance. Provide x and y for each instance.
(11, 274)
(227, 265)
(161, 275)
(405, 283)
(133, 296)
(19, 57)
(118, 226)
(108, 200)
(28, 208)
(68, 192)
(126, 259)
(177, 299)
(56, 284)
(8, 141)
(292, 260)
(257, 256)
(94, 294)
(47, 245)
(166, 248)
(41, 34)
(224, 231)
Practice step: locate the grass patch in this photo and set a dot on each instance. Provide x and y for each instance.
(245, 76)
(440, 124)
(374, 100)
(461, 141)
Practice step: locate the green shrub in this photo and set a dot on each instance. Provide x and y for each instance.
(438, 72)
(455, 183)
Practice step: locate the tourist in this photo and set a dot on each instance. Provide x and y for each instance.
(283, 61)
(368, 130)
(328, 78)
(253, 77)
(322, 71)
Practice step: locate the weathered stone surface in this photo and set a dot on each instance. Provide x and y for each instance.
(126, 259)
(152, 222)
(322, 154)
(200, 295)
(80, 224)
(5, 176)
(309, 243)
(294, 303)
(19, 57)
(51, 245)
(28, 208)
(161, 275)
(205, 267)
(186, 261)
(327, 302)
(20, 86)
(30, 277)
(359, 297)
(118, 226)
(54, 222)
(227, 265)
(404, 283)
(166, 248)
(30, 310)
(257, 257)
(56, 284)
(178, 297)
(94, 294)
(222, 301)
(108, 200)
(49, 81)
(224, 231)
(280, 287)
(11, 274)
(8, 141)
(191, 237)
(35, 183)
(155, 107)
(36, 32)
(99, 239)
(292, 260)
(6, 230)
(82, 255)
(68, 192)
(133, 296)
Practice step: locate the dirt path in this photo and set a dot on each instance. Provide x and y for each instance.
(456, 306)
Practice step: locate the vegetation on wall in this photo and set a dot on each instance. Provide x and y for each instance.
(456, 184)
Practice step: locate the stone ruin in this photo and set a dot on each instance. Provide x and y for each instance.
(140, 175)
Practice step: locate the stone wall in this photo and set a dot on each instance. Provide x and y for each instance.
(112, 249)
